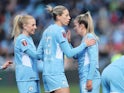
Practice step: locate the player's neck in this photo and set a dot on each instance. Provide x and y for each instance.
(25, 33)
(58, 23)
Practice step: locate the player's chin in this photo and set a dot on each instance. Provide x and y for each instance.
(66, 23)
(33, 32)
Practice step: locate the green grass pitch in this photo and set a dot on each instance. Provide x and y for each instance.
(13, 89)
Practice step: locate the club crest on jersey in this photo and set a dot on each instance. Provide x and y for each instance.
(24, 42)
(30, 88)
(64, 34)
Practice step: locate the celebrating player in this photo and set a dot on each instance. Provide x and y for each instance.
(25, 54)
(52, 46)
(88, 58)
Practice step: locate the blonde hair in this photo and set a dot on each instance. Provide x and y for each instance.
(18, 22)
(87, 20)
(57, 10)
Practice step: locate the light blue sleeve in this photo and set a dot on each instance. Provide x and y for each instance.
(40, 65)
(25, 47)
(32, 54)
(75, 56)
(70, 52)
(64, 44)
(23, 44)
(40, 50)
(61, 36)
(93, 58)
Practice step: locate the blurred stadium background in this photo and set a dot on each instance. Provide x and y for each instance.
(108, 16)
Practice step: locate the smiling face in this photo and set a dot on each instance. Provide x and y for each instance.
(30, 26)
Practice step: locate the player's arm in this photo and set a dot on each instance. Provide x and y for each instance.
(70, 52)
(40, 50)
(93, 55)
(31, 54)
(27, 50)
(92, 52)
(5, 65)
(68, 36)
(93, 58)
(75, 56)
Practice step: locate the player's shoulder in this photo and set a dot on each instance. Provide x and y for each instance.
(57, 27)
(91, 35)
(20, 38)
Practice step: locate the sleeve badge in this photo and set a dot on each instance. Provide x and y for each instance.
(24, 42)
(64, 34)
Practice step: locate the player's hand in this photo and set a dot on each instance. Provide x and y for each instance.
(6, 64)
(89, 85)
(90, 42)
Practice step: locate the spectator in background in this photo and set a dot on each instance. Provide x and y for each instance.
(88, 58)
(25, 54)
(113, 77)
(116, 56)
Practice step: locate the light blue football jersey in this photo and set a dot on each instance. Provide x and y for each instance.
(25, 66)
(88, 66)
(52, 46)
(53, 55)
(88, 60)
(113, 77)
(119, 64)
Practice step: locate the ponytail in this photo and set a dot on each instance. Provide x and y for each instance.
(49, 9)
(91, 25)
(17, 26)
